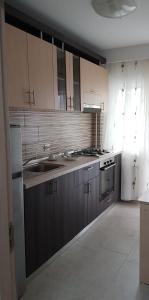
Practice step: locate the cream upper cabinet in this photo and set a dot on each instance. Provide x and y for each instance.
(29, 70)
(40, 61)
(93, 83)
(17, 67)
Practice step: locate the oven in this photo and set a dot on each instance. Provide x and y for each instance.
(107, 177)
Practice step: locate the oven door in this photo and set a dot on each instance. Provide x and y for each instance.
(107, 182)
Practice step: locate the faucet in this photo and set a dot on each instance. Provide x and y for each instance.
(46, 147)
(28, 160)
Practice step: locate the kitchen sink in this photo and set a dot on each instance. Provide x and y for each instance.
(42, 167)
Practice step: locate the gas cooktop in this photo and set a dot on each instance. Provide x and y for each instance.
(90, 152)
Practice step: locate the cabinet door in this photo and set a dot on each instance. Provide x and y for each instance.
(93, 199)
(17, 67)
(117, 189)
(79, 217)
(67, 190)
(76, 83)
(60, 93)
(69, 80)
(103, 86)
(35, 227)
(93, 83)
(40, 228)
(40, 62)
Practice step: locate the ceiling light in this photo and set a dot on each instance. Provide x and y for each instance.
(114, 8)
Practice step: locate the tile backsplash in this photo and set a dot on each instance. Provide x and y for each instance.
(62, 130)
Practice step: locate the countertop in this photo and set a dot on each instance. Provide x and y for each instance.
(31, 179)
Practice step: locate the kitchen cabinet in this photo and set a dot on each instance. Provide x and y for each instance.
(74, 207)
(93, 199)
(40, 62)
(69, 80)
(43, 223)
(66, 80)
(58, 210)
(94, 82)
(117, 179)
(76, 83)
(60, 93)
(29, 70)
(17, 67)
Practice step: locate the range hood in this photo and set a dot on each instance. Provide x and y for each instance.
(91, 108)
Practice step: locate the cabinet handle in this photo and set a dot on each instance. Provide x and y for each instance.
(71, 103)
(55, 187)
(86, 188)
(29, 97)
(33, 95)
(50, 188)
(68, 103)
(89, 169)
(89, 188)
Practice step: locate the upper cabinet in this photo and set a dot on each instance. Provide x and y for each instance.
(76, 83)
(42, 76)
(17, 67)
(29, 70)
(93, 83)
(40, 62)
(67, 80)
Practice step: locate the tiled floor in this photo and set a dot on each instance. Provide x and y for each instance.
(101, 264)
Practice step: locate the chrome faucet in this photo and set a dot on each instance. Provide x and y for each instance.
(28, 160)
(46, 147)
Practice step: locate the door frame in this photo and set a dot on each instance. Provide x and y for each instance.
(7, 265)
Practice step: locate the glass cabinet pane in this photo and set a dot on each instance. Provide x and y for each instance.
(61, 73)
(76, 83)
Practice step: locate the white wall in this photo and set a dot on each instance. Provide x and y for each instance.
(139, 52)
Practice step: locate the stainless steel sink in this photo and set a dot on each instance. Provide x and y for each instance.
(42, 167)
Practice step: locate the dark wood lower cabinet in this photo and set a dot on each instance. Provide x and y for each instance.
(43, 223)
(58, 210)
(93, 199)
(117, 191)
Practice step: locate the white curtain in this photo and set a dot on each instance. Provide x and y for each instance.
(127, 124)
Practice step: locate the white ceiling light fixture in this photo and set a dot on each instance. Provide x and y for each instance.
(114, 8)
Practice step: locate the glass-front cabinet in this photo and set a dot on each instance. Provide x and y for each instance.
(68, 81)
(61, 79)
(76, 83)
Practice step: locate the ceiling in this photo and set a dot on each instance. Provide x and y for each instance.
(77, 20)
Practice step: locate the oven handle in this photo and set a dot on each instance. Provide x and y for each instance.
(109, 167)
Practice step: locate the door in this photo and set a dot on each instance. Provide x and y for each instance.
(39, 225)
(76, 83)
(67, 194)
(40, 61)
(17, 67)
(117, 185)
(94, 83)
(93, 199)
(69, 80)
(60, 93)
(79, 216)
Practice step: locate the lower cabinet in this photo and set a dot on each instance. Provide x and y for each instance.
(93, 199)
(57, 210)
(117, 190)
(43, 223)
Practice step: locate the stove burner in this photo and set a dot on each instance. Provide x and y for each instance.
(90, 152)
